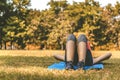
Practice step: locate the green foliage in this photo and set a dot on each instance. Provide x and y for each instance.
(49, 28)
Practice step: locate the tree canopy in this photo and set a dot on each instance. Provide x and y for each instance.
(21, 27)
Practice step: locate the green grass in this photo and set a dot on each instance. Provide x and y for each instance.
(35, 68)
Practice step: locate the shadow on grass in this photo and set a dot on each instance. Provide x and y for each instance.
(112, 64)
(35, 76)
(22, 61)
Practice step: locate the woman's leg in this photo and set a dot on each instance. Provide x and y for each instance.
(82, 48)
(70, 49)
(84, 53)
(102, 58)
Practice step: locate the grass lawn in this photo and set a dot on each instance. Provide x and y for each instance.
(32, 65)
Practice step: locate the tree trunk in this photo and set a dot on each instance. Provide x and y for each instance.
(62, 46)
(5, 46)
(11, 45)
(118, 40)
(0, 38)
(0, 45)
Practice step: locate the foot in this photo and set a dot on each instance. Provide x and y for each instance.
(69, 65)
(80, 65)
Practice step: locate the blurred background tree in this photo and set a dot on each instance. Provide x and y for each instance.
(47, 29)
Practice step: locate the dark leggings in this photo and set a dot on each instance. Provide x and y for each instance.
(81, 38)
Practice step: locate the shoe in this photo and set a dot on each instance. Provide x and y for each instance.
(80, 65)
(69, 65)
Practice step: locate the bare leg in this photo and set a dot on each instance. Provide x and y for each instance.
(102, 58)
(82, 51)
(82, 40)
(70, 49)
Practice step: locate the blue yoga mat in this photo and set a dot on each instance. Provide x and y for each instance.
(61, 66)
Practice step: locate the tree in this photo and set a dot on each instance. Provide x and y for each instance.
(88, 18)
(15, 22)
(116, 22)
(32, 27)
(63, 24)
(48, 28)
(4, 14)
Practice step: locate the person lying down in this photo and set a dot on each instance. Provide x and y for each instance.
(78, 53)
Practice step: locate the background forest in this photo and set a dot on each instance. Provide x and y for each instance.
(25, 28)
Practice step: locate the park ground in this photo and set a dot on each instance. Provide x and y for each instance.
(32, 65)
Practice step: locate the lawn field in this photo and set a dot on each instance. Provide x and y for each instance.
(32, 65)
